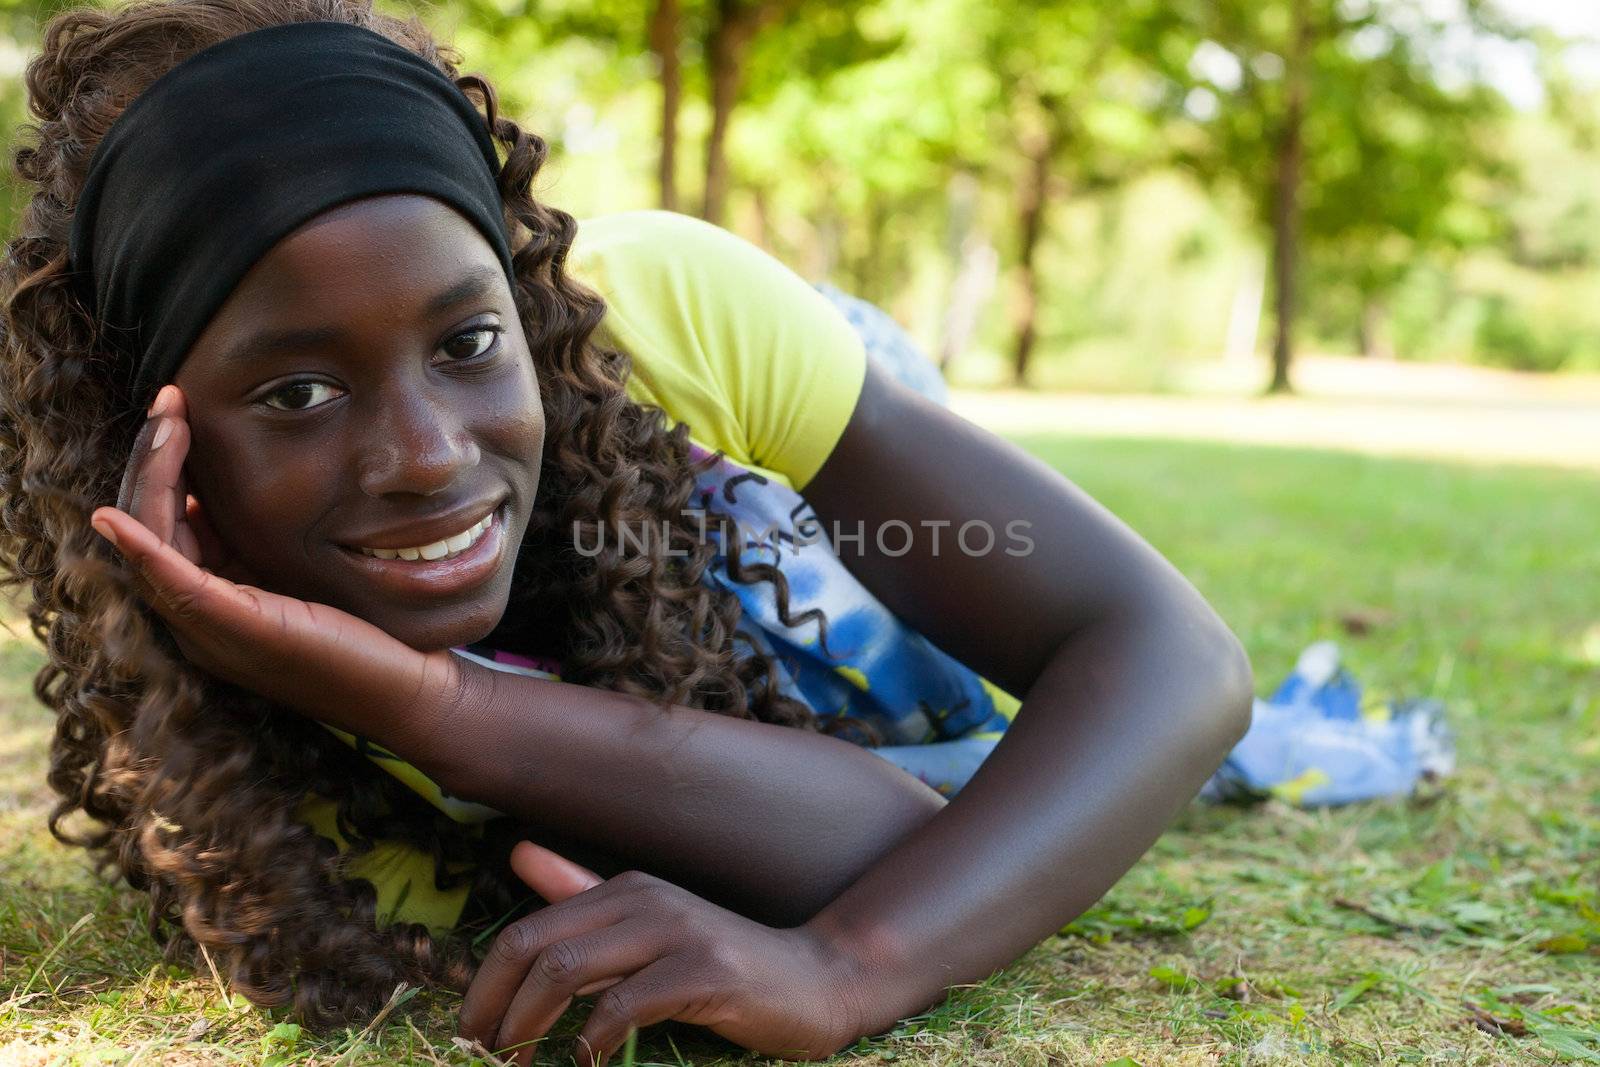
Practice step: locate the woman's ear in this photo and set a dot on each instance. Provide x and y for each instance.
(552, 876)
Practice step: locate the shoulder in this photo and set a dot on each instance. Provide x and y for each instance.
(747, 351)
(644, 231)
(669, 254)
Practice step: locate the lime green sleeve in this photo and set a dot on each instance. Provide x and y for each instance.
(724, 337)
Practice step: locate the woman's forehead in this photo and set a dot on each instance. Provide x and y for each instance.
(382, 263)
(388, 233)
(391, 247)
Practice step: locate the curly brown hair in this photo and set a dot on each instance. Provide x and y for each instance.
(190, 785)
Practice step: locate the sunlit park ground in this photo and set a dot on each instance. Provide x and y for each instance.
(1450, 546)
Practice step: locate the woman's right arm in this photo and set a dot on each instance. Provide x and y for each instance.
(767, 820)
(770, 821)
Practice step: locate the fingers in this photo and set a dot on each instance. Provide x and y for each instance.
(141, 447)
(160, 497)
(179, 591)
(185, 538)
(149, 482)
(198, 523)
(564, 969)
(153, 490)
(555, 878)
(658, 992)
(154, 493)
(550, 874)
(517, 947)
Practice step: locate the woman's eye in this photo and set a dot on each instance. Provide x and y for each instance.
(297, 396)
(469, 344)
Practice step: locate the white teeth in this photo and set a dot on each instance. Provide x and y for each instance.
(450, 546)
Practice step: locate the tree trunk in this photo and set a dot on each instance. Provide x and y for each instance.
(1286, 200)
(664, 43)
(961, 198)
(1373, 330)
(735, 24)
(974, 282)
(1244, 320)
(1033, 202)
(766, 233)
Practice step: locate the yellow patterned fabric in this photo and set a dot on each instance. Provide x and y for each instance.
(402, 875)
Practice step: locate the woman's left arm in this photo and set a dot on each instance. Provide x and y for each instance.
(1133, 692)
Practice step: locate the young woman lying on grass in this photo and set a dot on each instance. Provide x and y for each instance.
(351, 412)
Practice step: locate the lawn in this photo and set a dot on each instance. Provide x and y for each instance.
(1459, 927)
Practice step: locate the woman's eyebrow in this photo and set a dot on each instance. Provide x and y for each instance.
(475, 282)
(270, 342)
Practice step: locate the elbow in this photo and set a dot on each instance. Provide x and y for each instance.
(1230, 691)
(1204, 668)
(1215, 669)
(1207, 673)
(1239, 691)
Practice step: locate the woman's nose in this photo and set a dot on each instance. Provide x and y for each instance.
(419, 447)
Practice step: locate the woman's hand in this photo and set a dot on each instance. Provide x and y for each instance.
(312, 657)
(654, 952)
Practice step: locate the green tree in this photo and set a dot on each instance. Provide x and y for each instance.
(1081, 94)
(1334, 117)
(1038, 101)
(793, 39)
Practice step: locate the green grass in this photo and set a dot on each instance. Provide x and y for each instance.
(1460, 927)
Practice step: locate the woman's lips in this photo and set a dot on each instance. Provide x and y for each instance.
(423, 578)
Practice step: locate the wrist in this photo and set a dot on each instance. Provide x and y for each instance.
(862, 975)
(450, 689)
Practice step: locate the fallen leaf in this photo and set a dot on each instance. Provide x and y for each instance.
(1363, 985)
(1235, 987)
(1170, 977)
(1563, 944)
(1491, 1024)
(1358, 622)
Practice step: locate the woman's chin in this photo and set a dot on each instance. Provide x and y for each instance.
(450, 633)
(436, 629)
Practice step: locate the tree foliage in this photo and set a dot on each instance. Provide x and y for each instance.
(904, 147)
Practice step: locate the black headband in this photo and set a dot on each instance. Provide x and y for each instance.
(241, 143)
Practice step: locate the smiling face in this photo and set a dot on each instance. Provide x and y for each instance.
(368, 385)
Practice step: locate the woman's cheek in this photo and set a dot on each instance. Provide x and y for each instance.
(262, 505)
(516, 424)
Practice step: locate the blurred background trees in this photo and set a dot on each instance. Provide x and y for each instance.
(1067, 193)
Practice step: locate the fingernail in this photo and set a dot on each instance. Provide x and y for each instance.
(103, 530)
(163, 432)
(163, 398)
